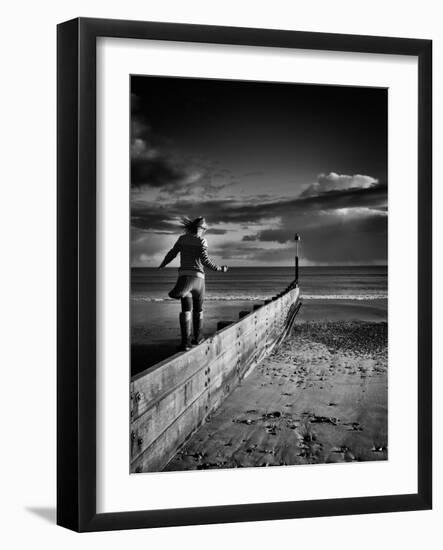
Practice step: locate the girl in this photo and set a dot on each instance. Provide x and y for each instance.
(190, 286)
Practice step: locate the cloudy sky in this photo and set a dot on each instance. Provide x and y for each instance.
(260, 161)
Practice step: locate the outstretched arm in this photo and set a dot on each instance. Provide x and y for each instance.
(207, 262)
(170, 255)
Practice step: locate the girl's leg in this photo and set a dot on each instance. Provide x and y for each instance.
(182, 291)
(198, 296)
(186, 303)
(185, 322)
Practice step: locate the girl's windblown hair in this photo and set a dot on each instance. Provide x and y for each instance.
(187, 223)
(191, 226)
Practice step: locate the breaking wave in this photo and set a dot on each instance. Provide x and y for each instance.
(344, 296)
(208, 298)
(261, 297)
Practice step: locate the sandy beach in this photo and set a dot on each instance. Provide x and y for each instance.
(320, 398)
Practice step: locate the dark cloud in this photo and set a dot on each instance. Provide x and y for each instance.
(357, 240)
(155, 172)
(154, 165)
(353, 197)
(230, 210)
(338, 225)
(225, 210)
(215, 231)
(338, 182)
(154, 219)
(150, 165)
(253, 174)
(275, 235)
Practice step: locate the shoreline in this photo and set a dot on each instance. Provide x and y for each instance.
(155, 331)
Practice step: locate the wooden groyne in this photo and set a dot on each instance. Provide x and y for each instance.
(170, 400)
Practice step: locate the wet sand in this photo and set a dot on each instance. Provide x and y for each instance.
(320, 398)
(155, 331)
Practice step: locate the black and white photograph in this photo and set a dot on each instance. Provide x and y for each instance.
(221, 257)
(259, 274)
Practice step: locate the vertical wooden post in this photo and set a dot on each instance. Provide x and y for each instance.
(297, 239)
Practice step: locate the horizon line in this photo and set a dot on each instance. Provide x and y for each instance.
(270, 266)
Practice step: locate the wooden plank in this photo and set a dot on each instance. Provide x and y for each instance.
(171, 400)
(154, 457)
(161, 413)
(169, 374)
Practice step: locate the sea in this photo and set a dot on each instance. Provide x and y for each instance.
(343, 293)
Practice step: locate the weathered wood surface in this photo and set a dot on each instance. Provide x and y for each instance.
(171, 400)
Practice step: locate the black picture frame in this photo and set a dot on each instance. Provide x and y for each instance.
(76, 296)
